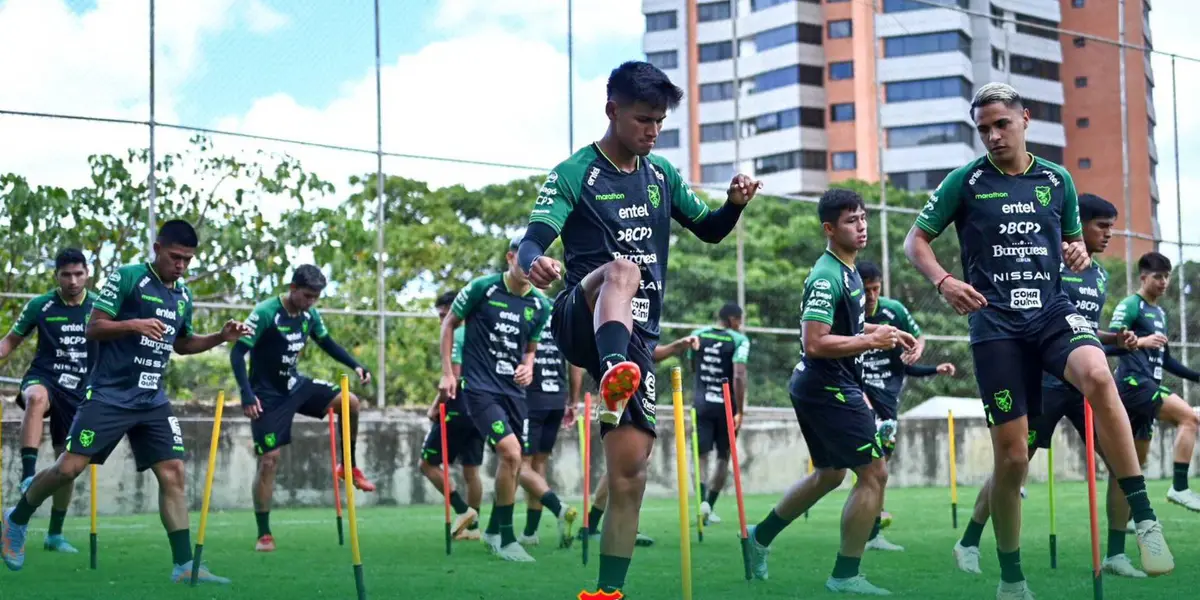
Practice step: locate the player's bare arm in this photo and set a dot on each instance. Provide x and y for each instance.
(10, 342)
(820, 343)
(102, 328)
(1075, 254)
(739, 393)
(523, 374)
(448, 387)
(196, 344)
(918, 246)
(575, 396)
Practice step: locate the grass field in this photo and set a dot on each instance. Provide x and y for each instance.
(404, 556)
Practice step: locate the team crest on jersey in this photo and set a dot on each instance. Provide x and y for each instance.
(179, 304)
(655, 197)
(1043, 194)
(528, 313)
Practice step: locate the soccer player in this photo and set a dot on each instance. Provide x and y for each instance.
(1088, 291)
(143, 313)
(827, 394)
(1140, 371)
(884, 372)
(463, 443)
(53, 385)
(721, 357)
(612, 202)
(1017, 218)
(275, 391)
(504, 316)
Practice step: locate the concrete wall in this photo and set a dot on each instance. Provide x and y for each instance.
(773, 455)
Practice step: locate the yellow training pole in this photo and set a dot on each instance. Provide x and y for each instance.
(92, 541)
(810, 470)
(953, 472)
(1053, 520)
(685, 538)
(699, 475)
(213, 444)
(348, 471)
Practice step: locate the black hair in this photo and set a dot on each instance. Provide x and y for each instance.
(837, 200)
(639, 81)
(868, 271)
(309, 277)
(69, 256)
(1092, 206)
(445, 299)
(729, 311)
(178, 232)
(1153, 262)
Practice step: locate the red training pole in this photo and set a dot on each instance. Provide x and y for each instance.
(337, 490)
(445, 470)
(737, 477)
(587, 471)
(1090, 440)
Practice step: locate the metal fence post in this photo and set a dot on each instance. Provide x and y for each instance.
(152, 179)
(1181, 280)
(380, 297)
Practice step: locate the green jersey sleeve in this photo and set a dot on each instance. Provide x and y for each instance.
(556, 198)
(1125, 314)
(469, 297)
(905, 320)
(117, 288)
(260, 320)
(318, 331)
(741, 352)
(27, 321)
(457, 348)
(941, 209)
(822, 292)
(541, 319)
(1071, 225)
(686, 206)
(186, 316)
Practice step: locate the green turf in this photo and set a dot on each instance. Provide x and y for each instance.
(404, 557)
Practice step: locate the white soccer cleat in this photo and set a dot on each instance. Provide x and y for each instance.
(1156, 556)
(491, 541)
(1014, 591)
(1186, 498)
(967, 558)
(855, 585)
(1022, 492)
(881, 543)
(514, 552)
(529, 540)
(1121, 566)
(566, 520)
(758, 555)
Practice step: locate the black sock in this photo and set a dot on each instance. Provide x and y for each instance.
(551, 502)
(493, 526)
(1116, 542)
(264, 522)
(612, 342)
(1010, 566)
(28, 463)
(974, 531)
(875, 529)
(533, 518)
(474, 524)
(56, 521)
(1139, 500)
(1181, 475)
(460, 506)
(770, 527)
(24, 510)
(181, 546)
(594, 517)
(703, 491)
(353, 446)
(612, 572)
(504, 514)
(712, 498)
(846, 567)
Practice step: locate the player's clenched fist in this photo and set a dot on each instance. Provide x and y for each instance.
(884, 337)
(151, 328)
(743, 188)
(545, 271)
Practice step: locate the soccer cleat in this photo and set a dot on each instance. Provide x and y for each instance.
(1014, 591)
(618, 384)
(758, 555)
(1156, 556)
(566, 520)
(593, 536)
(12, 541)
(967, 558)
(710, 517)
(881, 543)
(58, 543)
(855, 585)
(1131, 527)
(1121, 566)
(183, 574)
(265, 543)
(464, 521)
(360, 481)
(529, 540)
(1022, 492)
(514, 552)
(25, 483)
(491, 541)
(1185, 498)
(468, 535)
(643, 540)
(885, 519)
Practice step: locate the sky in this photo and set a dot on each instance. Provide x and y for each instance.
(482, 80)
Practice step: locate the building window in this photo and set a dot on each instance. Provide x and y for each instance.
(915, 181)
(1081, 82)
(1049, 34)
(905, 5)
(1043, 111)
(782, 36)
(810, 75)
(717, 132)
(841, 70)
(928, 135)
(1085, 163)
(841, 112)
(661, 21)
(784, 119)
(997, 17)
(1077, 3)
(835, 1)
(667, 59)
(927, 43)
(757, 5)
(1083, 123)
(715, 92)
(844, 161)
(928, 89)
(1053, 154)
(716, 172)
(667, 138)
(787, 161)
(716, 51)
(770, 80)
(812, 117)
(1080, 42)
(840, 29)
(1024, 65)
(712, 11)
(808, 33)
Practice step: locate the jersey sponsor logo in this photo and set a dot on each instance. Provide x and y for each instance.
(592, 176)
(510, 316)
(295, 346)
(1088, 306)
(634, 234)
(68, 381)
(504, 367)
(1000, 251)
(507, 329)
(991, 196)
(1025, 298)
(1008, 276)
(1051, 176)
(1079, 324)
(543, 198)
(1042, 192)
(609, 197)
(550, 386)
(819, 295)
(650, 286)
(1020, 228)
(652, 191)
(822, 284)
(633, 212)
(641, 258)
(148, 381)
(975, 176)
(72, 328)
(641, 309)
(1020, 208)
(649, 390)
(1088, 291)
(71, 340)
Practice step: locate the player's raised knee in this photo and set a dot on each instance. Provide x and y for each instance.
(71, 465)
(354, 404)
(623, 273)
(1094, 377)
(36, 400)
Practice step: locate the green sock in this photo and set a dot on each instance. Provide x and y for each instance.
(56, 521)
(264, 522)
(181, 546)
(612, 572)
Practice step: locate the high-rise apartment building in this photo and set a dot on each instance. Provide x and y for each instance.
(807, 109)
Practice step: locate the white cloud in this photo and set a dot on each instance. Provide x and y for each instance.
(262, 19)
(595, 20)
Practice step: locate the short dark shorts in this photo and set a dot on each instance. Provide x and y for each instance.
(1009, 371)
(838, 426)
(1143, 398)
(61, 410)
(541, 431)
(463, 442)
(574, 332)
(272, 430)
(495, 416)
(886, 407)
(1057, 403)
(712, 430)
(154, 434)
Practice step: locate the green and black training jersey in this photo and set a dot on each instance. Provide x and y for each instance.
(62, 349)
(500, 325)
(1087, 291)
(883, 370)
(549, 388)
(276, 340)
(720, 349)
(833, 295)
(128, 370)
(1143, 319)
(1010, 230)
(603, 213)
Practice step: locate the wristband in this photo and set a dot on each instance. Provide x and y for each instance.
(941, 281)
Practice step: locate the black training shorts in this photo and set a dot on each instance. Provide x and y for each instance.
(838, 426)
(496, 416)
(154, 433)
(1057, 403)
(273, 428)
(1143, 398)
(61, 409)
(712, 431)
(463, 443)
(541, 431)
